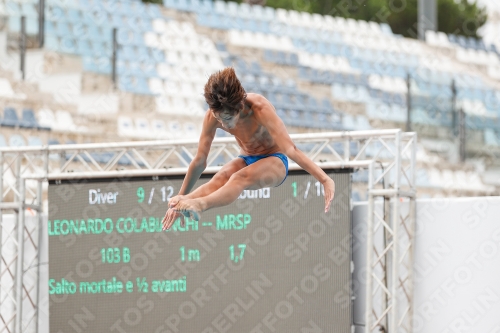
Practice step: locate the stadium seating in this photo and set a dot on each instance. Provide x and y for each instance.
(35, 141)
(11, 119)
(368, 51)
(16, 140)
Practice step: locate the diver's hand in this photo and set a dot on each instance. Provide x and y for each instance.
(329, 186)
(170, 216)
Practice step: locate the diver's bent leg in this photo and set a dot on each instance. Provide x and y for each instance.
(217, 181)
(267, 172)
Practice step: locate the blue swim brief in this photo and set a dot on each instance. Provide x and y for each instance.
(252, 159)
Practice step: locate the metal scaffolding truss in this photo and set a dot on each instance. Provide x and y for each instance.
(388, 157)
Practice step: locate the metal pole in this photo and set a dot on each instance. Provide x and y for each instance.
(369, 252)
(454, 108)
(393, 323)
(22, 46)
(113, 58)
(347, 150)
(1, 216)
(461, 134)
(408, 103)
(411, 230)
(352, 135)
(39, 248)
(427, 17)
(41, 23)
(411, 256)
(20, 259)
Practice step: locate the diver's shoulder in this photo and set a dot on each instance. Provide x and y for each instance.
(257, 101)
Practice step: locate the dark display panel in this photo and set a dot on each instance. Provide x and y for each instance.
(272, 261)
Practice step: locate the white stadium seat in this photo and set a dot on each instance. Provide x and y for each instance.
(142, 128)
(6, 90)
(46, 118)
(125, 127)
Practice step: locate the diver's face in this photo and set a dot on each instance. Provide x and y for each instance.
(227, 118)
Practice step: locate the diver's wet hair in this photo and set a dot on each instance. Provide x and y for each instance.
(224, 91)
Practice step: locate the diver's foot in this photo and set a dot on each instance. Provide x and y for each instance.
(191, 208)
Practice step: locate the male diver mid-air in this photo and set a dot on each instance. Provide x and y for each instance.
(264, 147)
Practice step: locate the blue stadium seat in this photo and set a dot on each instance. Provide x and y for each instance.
(203, 19)
(79, 30)
(143, 54)
(89, 64)
(16, 140)
(360, 176)
(35, 141)
(83, 48)
(103, 65)
(49, 27)
(473, 43)
(205, 6)
(125, 36)
(31, 26)
(263, 26)
(118, 22)
(125, 8)
(126, 53)
(312, 104)
(153, 11)
(287, 102)
(293, 59)
(296, 118)
(183, 5)
(317, 119)
(74, 15)
(135, 68)
(63, 29)
(13, 9)
(149, 69)
(122, 67)
(99, 49)
(84, 3)
(491, 138)
(67, 45)
(14, 23)
(462, 41)
(10, 118)
(95, 34)
(125, 83)
(55, 13)
(102, 157)
(326, 106)
(52, 43)
(29, 120)
(53, 142)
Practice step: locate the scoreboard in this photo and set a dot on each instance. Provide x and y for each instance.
(272, 261)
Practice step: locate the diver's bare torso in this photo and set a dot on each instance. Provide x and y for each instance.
(252, 137)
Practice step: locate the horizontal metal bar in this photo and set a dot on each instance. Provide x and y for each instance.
(181, 171)
(167, 143)
(16, 205)
(10, 205)
(390, 193)
(37, 208)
